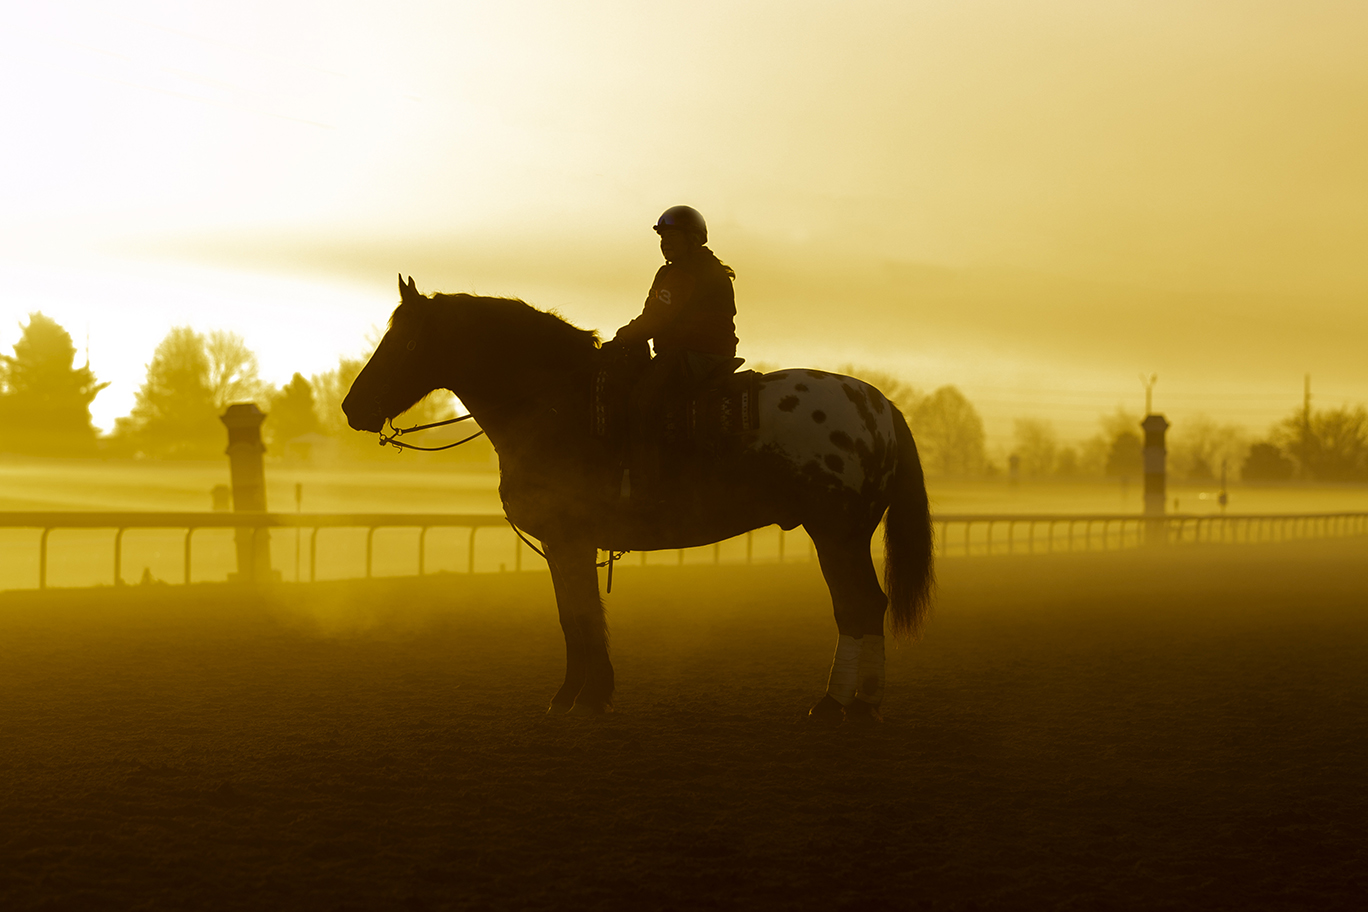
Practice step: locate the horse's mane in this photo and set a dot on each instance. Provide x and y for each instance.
(543, 335)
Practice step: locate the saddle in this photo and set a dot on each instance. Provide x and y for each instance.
(723, 406)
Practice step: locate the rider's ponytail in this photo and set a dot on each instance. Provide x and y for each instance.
(731, 273)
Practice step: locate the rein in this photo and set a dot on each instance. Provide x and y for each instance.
(394, 441)
(613, 556)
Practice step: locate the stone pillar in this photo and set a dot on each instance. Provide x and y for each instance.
(1155, 427)
(248, 470)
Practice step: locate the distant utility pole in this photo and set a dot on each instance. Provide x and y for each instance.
(1148, 383)
(1306, 424)
(1224, 498)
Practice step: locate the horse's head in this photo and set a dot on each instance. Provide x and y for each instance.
(403, 369)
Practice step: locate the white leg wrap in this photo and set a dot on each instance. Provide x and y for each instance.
(871, 669)
(845, 670)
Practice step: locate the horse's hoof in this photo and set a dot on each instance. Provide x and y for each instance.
(590, 709)
(559, 709)
(827, 713)
(861, 713)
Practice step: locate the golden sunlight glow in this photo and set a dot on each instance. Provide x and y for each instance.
(1017, 198)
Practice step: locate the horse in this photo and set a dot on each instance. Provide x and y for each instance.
(830, 453)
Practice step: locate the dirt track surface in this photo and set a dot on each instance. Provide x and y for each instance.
(1100, 731)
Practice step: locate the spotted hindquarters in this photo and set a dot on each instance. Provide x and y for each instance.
(835, 437)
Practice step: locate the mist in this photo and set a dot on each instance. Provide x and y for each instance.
(1063, 197)
(579, 653)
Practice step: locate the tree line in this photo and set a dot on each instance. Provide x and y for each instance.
(1321, 445)
(192, 378)
(45, 402)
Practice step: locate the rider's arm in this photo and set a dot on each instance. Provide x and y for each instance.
(662, 306)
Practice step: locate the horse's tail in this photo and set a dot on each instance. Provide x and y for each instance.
(909, 575)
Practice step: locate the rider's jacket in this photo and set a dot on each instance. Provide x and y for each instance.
(691, 305)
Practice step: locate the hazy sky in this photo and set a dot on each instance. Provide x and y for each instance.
(1036, 201)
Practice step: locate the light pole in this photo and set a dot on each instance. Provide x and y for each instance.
(299, 507)
(1155, 427)
(248, 473)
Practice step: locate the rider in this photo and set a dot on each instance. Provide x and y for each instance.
(690, 313)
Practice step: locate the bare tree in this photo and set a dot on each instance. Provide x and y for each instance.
(1036, 445)
(1331, 446)
(232, 369)
(898, 391)
(1115, 450)
(1068, 463)
(329, 389)
(1200, 445)
(949, 433)
(174, 414)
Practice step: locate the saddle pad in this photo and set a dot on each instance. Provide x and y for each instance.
(731, 408)
(723, 411)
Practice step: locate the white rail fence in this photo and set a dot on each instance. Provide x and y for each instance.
(1043, 533)
(956, 535)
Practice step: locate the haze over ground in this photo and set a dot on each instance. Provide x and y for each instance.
(1035, 202)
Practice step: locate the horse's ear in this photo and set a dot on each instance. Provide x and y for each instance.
(409, 291)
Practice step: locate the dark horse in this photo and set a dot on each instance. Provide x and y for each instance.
(831, 453)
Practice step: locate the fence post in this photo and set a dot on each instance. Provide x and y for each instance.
(42, 558)
(118, 556)
(1155, 528)
(248, 471)
(189, 531)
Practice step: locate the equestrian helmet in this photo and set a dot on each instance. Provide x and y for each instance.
(685, 218)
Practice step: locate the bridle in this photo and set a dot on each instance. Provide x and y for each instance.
(394, 441)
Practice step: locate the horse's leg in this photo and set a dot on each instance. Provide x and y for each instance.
(855, 687)
(588, 683)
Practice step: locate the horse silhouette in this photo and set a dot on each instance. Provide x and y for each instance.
(830, 453)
